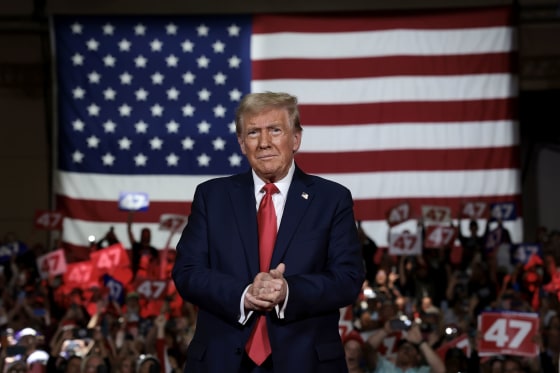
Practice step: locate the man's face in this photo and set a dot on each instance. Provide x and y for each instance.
(269, 143)
(407, 355)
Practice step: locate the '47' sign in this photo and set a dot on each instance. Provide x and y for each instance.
(405, 243)
(508, 333)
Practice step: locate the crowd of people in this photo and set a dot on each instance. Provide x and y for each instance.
(287, 291)
(440, 300)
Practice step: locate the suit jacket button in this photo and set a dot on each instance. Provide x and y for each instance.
(238, 351)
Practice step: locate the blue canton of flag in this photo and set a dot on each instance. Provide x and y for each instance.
(151, 96)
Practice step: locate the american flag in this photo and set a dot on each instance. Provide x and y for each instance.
(415, 107)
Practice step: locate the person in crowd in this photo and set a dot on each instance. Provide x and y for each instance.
(144, 257)
(412, 349)
(269, 304)
(369, 250)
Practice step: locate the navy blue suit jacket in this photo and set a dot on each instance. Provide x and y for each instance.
(217, 258)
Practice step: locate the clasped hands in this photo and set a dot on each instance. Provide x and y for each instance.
(267, 290)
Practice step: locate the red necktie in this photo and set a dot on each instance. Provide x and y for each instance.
(258, 346)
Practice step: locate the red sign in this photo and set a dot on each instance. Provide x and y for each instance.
(152, 289)
(80, 274)
(109, 258)
(52, 264)
(48, 220)
(398, 214)
(172, 222)
(388, 347)
(405, 243)
(439, 236)
(461, 342)
(509, 333)
(436, 214)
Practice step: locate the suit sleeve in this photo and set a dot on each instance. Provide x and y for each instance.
(210, 287)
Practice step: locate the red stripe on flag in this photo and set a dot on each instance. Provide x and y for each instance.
(427, 20)
(108, 211)
(410, 160)
(382, 66)
(408, 112)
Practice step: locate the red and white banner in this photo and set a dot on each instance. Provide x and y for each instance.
(52, 264)
(405, 243)
(510, 333)
(48, 220)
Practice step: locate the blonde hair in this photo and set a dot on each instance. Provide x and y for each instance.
(254, 103)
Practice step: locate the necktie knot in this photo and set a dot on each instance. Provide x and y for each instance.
(270, 188)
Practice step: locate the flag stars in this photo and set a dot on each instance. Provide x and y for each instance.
(141, 127)
(232, 128)
(78, 93)
(124, 45)
(233, 30)
(109, 126)
(77, 157)
(140, 61)
(172, 127)
(202, 30)
(220, 78)
(235, 94)
(93, 141)
(108, 159)
(204, 127)
(125, 143)
(187, 46)
(188, 77)
(125, 110)
(219, 111)
(204, 94)
(109, 60)
(172, 160)
(78, 125)
(92, 44)
(109, 94)
(218, 47)
(172, 94)
(171, 29)
(203, 62)
(188, 110)
(141, 94)
(157, 78)
(156, 143)
(172, 61)
(77, 59)
(139, 29)
(93, 110)
(235, 160)
(156, 45)
(108, 29)
(157, 110)
(203, 160)
(94, 77)
(219, 143)
(234, 62)
(76, 28)
(125, 78)
(187, 143)
(140, 160)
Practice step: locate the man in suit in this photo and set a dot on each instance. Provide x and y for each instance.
(315, 267)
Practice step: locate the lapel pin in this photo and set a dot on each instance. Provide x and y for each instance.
(305, 195)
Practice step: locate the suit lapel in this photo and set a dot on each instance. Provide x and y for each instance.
(243, 202)
(299, 199)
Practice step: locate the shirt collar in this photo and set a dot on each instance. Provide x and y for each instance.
(283, 185)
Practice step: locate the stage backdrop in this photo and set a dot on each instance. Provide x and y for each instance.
(398, 107)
